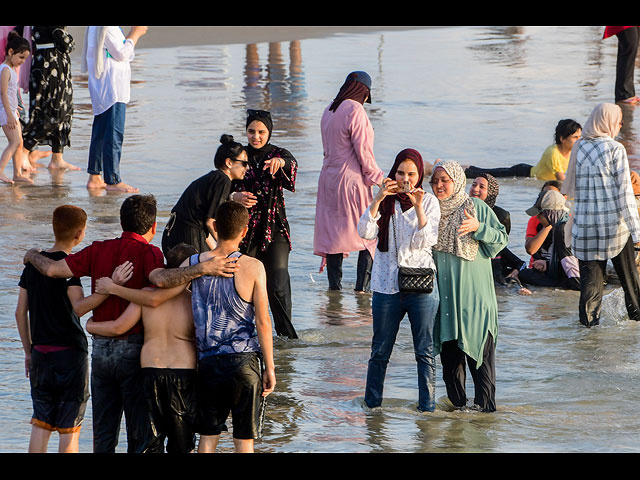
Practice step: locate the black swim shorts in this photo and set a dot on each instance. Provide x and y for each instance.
(59, 389)
(170, 395)
(231, 383)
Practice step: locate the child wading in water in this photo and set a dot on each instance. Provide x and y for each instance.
(17, 52)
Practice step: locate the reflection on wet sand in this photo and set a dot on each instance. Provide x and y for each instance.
(275, 88)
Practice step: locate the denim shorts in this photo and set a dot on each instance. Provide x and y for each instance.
(59, 389)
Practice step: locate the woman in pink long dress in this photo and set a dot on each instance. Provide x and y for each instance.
(349, 170)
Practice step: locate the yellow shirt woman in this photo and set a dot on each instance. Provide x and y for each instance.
(551, 162)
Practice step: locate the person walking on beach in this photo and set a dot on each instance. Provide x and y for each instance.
(606, 224)
(271, 170)
(50, 96)
(107, 57)
(349, 170)
(466, 328)
(16, 53)
(405, 223)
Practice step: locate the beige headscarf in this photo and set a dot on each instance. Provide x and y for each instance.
(604, 121)
(452, 215)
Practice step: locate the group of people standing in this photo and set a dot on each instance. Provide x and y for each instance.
(106, 58)
(456, 239)
(586, 213)
(447, 232)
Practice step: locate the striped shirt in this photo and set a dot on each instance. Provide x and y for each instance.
(605, 210)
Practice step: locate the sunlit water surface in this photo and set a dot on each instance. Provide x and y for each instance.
(485, 96)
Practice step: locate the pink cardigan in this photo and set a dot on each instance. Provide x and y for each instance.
(349, 170)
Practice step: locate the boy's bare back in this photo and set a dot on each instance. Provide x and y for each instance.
(250, 274)
(169, 336)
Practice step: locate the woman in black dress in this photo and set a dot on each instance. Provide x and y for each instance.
(191, 219)
(50, 94)
(271, 170)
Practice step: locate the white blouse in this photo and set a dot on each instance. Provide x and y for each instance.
(414, 244)
(115, 83)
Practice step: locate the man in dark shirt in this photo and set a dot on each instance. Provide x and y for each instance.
(115, 367)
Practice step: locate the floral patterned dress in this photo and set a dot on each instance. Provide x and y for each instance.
(50, 89)
(268, 216)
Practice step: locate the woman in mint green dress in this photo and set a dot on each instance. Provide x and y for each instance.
(466, 328)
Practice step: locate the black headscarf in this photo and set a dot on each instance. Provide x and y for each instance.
(264, 117)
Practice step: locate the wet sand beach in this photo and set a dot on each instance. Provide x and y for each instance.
(486, 96)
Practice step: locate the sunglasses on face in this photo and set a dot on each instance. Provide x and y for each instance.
(258, 113)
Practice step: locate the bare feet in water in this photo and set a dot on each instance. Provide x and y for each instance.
(33, 157)
(631, 100)
(121, 187)
(95, 181)
(17, 178)
(5, 179)
(58, 163)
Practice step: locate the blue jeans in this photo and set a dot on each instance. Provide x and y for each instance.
(105, 149)
(388, 312)
(116, 388)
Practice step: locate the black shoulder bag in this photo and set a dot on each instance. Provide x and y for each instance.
(413, 280)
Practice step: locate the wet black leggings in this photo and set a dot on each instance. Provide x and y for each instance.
(454, 362)
(276, 264)
(519, 170)
(592, 275)
(363, 278)
(625, 63)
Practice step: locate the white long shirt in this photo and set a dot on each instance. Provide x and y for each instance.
(414, 244)
(114, 86)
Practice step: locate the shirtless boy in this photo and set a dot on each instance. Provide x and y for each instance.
(235, 351)
(167, 358)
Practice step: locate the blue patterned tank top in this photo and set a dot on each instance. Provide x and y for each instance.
(224, 322)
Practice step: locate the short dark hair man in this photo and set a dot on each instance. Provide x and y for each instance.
(115, 364)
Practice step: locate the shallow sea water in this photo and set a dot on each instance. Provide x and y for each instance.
(480, 95)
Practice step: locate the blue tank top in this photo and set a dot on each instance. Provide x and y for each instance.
(224, 322)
